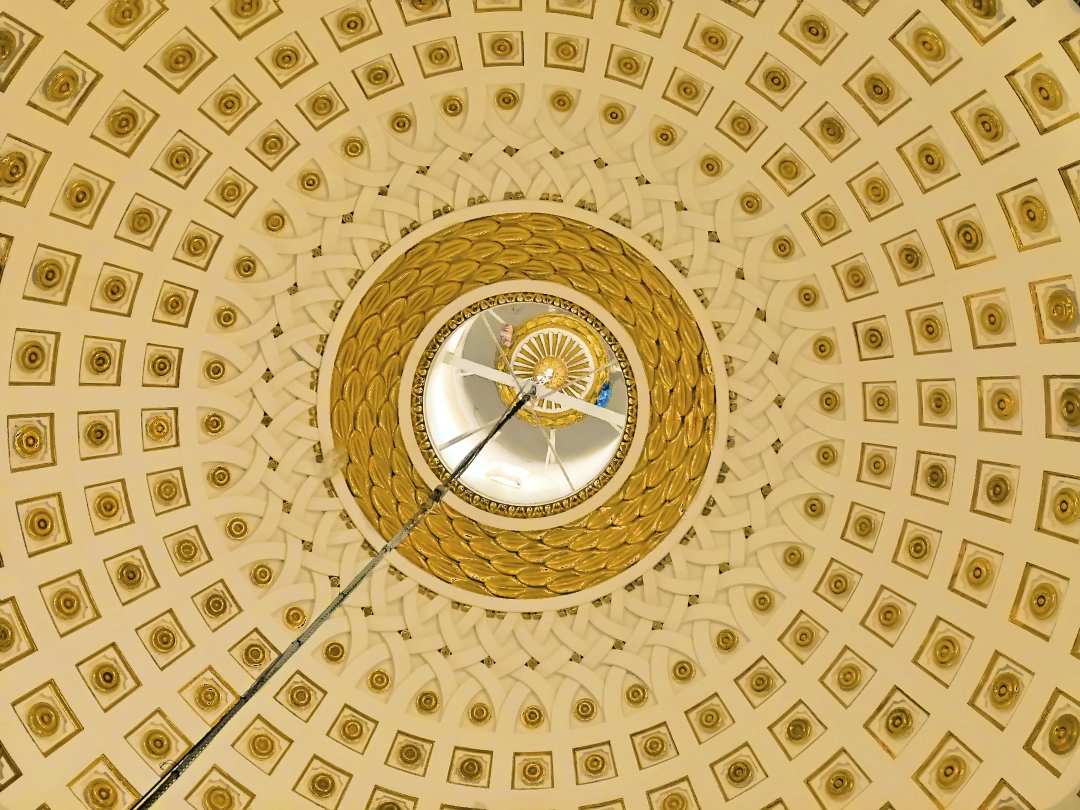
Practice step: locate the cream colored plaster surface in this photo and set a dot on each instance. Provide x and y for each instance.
(870, 210)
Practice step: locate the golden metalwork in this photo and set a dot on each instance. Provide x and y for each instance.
(568, 348)
(899, 721)
(950, 772)
(839, 783)
(49, 272)
(1004, 690)
(213, 423)
(161, 365)
(628, 64)
(163, 639)
(8, 635)
(665, 135)
(129, 575)
(832, 130)
(219, 476)
(272, 143)
(40, 523)
(533, 771)
(427, 702)
(594, 764)
(918, 547)
(864, 525)
(1063, 734)
(101, 794)
(324, 104)
(614, 113)
(683, 671)
(988, 125)
(789, 169)
(215, 605)
(878, 89)
(804, 636)
(936, 475)
(255, 654)
(911, 258)
(979, 572)
(532, 717)
(711, 165)
(762, 601)
(479, 714)
(378, 680)
(713, 39)
(353, 147)
(44, 719)
(798, 729)
(196, 244)
(67, 603)
(440, 55)
(739, 772)
(8, 43)
(261, 745)
(351, 22)
(123, 13)
(309, 180)
(983, 9)
(208, 696)
(654, 746)
(107, 506)
(453, 106)
(333, 652)
(351, 729)
(827, 219)
(1043, 601)
(1002, 403)
(645, 10)
(225, 317)
(998, 489)
(79, 195)
(502, 47)
(776, 80)
(814, 507)
(245, 9)
(156, 744)
(218, 797)
(105, 677)
(829, 400)
(179, 58)
(762, 682)
(585, 709)
(969, 236)
(674, 801)
(839, 583)
(294, 617)
(928, 44)
(236, 528)
(62, 85)
(890, 614)
(186, 550)
(1061, 309)
(741, 125)
(826, 455)
(123, 121)
(410, 754)
(354, 423)
(946, 651)
(881, 400)
(274, 221)
(824, 348)
(1032, 214)
(848, 677)
(814, 29)
(29, 441)
(114, 289)
(562, 101)
(930, 158)
(993, 318)
(793, 556)
(637, 694)
(1046, 91)
(507, 99)
(470, 769)
(1069, 406)
(710, 718)
(261, 575)
(877, 191)
(300, 695)
(878, 464)
(750, 203)
(286, 57)
(229, 103)
(173, 303)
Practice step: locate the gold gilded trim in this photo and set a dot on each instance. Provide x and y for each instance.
(616, 534)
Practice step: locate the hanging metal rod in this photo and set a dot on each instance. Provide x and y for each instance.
(149, 799)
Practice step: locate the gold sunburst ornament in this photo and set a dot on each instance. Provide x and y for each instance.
(563, 348)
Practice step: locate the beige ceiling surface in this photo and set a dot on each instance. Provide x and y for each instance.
(836, 242)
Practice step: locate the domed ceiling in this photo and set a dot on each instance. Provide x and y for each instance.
(791, 522)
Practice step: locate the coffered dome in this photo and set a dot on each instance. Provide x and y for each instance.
(792, 520)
